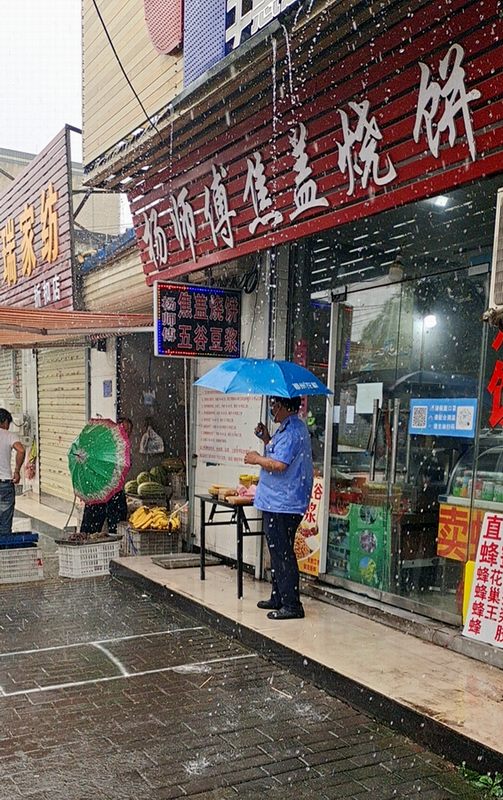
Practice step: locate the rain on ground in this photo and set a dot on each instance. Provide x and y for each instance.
(107, 693)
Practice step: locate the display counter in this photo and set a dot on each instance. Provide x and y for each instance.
(465, 502)
(471, 492)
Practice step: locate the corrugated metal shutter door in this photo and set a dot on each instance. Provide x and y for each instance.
(7, 375)
(62, 409)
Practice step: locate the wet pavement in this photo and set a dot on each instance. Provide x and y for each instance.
(109, 693)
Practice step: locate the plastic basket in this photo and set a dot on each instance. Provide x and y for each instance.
(21, 564)
(86, 560)
(149, 542)
(16, 540)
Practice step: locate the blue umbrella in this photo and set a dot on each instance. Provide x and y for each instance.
(262, 376)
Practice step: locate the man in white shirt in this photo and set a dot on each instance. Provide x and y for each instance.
(8, 442)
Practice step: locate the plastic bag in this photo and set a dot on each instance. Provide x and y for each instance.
(151, 443)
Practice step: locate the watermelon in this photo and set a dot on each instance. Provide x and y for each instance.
(131, 487)
(159, 474)
(151, 489)
(144, 477)
(172, 464)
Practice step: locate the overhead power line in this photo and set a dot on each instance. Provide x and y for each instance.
(147, 116)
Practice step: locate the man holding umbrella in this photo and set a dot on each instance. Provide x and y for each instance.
(283, 494)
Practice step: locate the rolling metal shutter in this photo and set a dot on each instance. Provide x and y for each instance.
(9, 385)
(62, 413)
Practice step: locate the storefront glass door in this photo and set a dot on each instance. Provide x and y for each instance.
(394, 346)
(388, 310)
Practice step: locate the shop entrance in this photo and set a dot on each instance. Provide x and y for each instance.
(393, 442)
(397, 330)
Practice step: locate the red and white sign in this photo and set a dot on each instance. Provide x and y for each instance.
(365, 135)
(484, 620)
(225, 425)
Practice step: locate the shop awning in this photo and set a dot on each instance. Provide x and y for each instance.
(41, 327)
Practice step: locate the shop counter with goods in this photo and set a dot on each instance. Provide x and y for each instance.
(470, 493)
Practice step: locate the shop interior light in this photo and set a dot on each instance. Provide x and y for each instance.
(430, 321)
(441, 201)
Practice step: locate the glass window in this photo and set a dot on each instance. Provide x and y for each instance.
(409, 329)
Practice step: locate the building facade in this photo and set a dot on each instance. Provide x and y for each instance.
(339, 164)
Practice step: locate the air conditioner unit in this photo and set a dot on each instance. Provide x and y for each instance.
(495, 310)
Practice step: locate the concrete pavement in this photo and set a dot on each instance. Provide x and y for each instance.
(108, 692)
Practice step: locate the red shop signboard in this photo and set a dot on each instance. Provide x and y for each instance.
(429, 118)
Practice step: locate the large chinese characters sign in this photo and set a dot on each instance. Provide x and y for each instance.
(35, 240)
(196, 321)
(484, 620)
(325, 151)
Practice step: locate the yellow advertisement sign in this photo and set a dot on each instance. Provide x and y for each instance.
(307, 539)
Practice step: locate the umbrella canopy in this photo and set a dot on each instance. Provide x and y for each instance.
(262, 376)
(99, 460)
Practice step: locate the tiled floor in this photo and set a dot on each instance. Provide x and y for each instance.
(462, 693)
(29, 504)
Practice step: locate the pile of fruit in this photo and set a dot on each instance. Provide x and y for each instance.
(149, 484)
(155, 518)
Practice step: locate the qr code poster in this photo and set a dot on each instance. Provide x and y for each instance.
(443, 416)
(464, 418)
(419, 416)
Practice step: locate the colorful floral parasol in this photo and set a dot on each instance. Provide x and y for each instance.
(99, 460)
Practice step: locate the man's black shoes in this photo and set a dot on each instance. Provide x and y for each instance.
(268, 604)
(283, 613)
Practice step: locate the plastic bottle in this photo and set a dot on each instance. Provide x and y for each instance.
(458, 487)
(488, 490)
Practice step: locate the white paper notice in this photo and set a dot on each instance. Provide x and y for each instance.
(225, 425)
(366, 393)
(350, 415)
(337, 415)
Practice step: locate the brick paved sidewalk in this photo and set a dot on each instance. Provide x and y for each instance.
(106, 693)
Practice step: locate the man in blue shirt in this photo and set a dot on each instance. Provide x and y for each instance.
(283, 494)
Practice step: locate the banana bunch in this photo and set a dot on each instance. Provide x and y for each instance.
(156, 518)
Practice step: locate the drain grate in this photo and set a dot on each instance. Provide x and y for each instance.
(184, 560)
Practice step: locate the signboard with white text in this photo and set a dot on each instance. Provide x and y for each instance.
(326, 151)
(35, 232)
(443, 416)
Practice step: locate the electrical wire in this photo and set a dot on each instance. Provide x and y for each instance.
(123, 70)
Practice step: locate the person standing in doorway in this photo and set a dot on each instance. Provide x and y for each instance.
(8, 442)
(283, 494)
